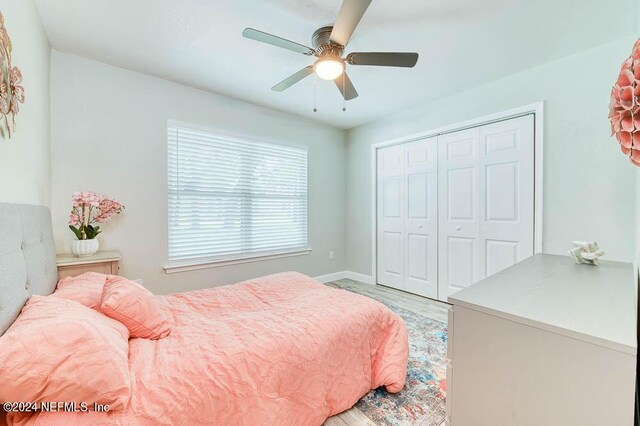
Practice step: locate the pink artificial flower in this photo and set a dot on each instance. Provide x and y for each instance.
(614, 101)
(74, 219)
(5, 41)
(624, 106)
(17, 91)
(77, 199)
(625, 151)
(95, 200)
(626, 78)
(624, 138)
(627, 97)
(626, 123)
(108, 208)
(5, 97)
(620, 117)
(89, 199)
(5, 104)
(636, 50)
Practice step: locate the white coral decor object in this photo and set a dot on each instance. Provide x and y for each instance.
(586, 252)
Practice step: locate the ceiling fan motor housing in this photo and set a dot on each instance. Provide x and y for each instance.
(322, 45)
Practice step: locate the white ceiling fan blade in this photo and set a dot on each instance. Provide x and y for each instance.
(263, 37)
(290, 81)
(383, 59)
(346, 87)
(347, 20)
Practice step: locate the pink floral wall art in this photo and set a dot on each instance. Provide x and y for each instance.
(624, 108)
(11, 90)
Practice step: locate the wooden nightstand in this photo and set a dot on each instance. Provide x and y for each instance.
(105, 262)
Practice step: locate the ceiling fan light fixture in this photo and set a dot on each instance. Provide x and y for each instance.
(329, 68)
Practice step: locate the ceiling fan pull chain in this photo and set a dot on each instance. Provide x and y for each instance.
(315, 95)
(344, 96)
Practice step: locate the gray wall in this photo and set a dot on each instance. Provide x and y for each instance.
(109, 136)
(588, 185)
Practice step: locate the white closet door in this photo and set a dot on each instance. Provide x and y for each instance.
(459, 222)
(421, 224)
(408, 217)
(390, 217)
(506, 193)
(486, 196)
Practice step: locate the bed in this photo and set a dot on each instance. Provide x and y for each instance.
(276, 350)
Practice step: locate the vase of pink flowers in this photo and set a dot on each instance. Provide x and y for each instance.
(88, 212)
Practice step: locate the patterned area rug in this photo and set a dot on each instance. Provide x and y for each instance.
(422, 401)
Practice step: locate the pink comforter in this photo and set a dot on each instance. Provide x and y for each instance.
(277, 350)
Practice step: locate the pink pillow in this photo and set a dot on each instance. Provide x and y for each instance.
(134, 306)
(59, 350)
(85, 289)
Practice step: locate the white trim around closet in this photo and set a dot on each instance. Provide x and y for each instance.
(537, 109)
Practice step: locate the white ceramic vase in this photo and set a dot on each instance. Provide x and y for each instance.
(84, 248)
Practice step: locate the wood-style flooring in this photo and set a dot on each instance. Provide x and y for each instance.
(428, 307)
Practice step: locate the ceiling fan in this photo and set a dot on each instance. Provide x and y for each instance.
(328, 45)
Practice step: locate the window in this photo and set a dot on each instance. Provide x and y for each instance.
(232, 199)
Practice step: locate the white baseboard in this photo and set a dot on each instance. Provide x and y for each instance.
(331, 277)
(367, 279)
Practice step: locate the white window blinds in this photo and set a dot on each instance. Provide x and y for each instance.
(231, 198)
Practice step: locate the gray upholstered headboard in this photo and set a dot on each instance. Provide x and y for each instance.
(27, 258)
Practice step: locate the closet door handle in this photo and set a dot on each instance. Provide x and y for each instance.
(458, 228)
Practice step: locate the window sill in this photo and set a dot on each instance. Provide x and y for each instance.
(195, 265)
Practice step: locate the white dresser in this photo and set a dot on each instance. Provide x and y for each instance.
(545, 342)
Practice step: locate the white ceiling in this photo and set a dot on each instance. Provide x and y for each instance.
(462, 44)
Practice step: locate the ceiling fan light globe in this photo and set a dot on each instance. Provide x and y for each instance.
(329, 69)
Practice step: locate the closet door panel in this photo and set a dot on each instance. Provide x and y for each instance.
(500, 254)
(459, 228)
(461, 260)
(506, 193)
(461, 187)
(417, 263)
(390, 217)
(393, 262)
(421, 223)
(501, 195)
